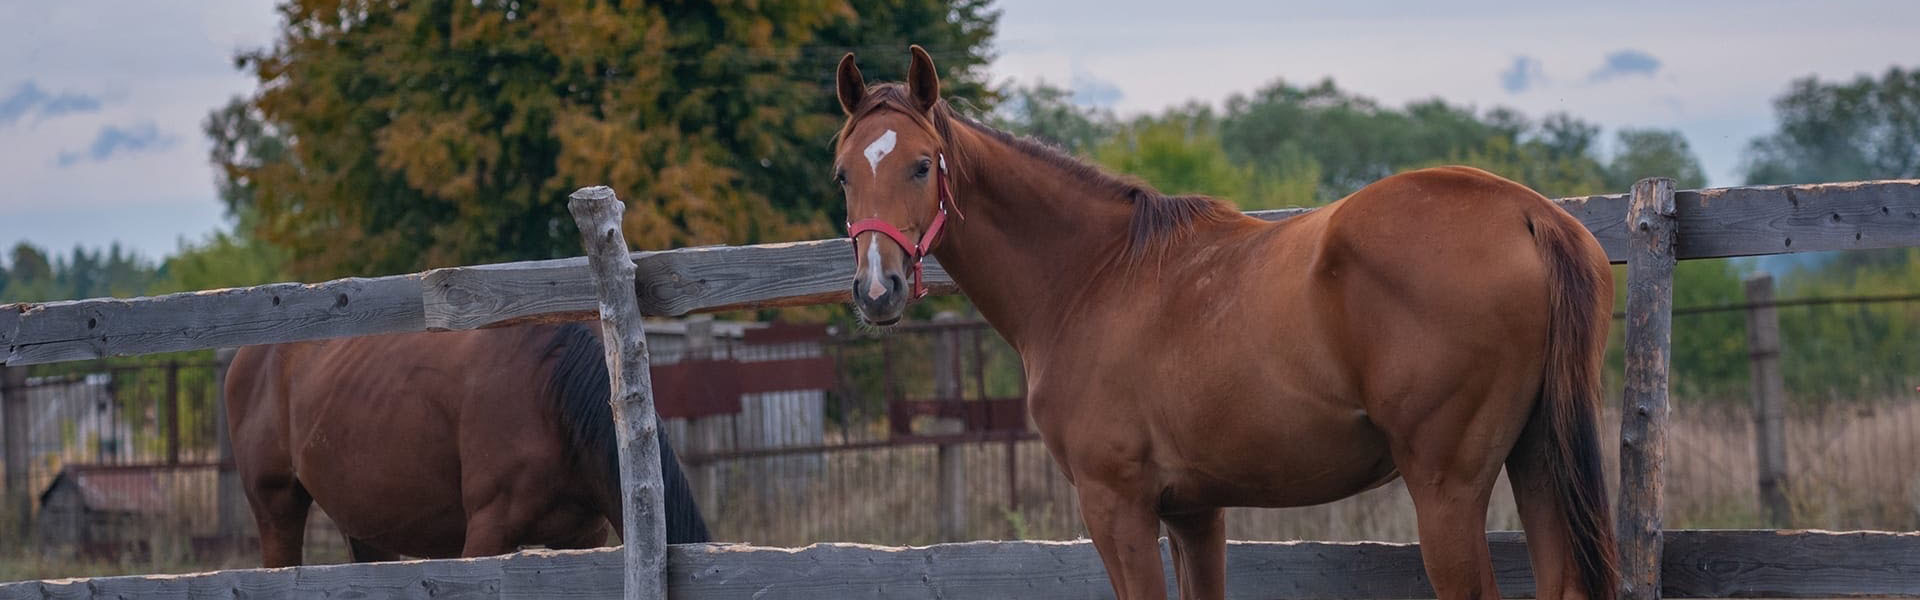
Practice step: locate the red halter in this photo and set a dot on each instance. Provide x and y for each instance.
(915, 252)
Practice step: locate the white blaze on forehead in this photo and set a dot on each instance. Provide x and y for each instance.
(878, 150)
(874, 289)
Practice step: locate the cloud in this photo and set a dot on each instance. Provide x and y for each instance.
(1623, 63)
(1525, 74)
(114, 141)
(28, 98)
(1093, 91)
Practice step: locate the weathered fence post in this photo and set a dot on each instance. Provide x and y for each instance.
(948, 387)
(597, 212)
(13, 408)
(1769, 399)
(170, 408)
(230, 499)
(1643, 410)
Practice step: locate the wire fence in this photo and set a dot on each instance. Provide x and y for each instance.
(920, 435)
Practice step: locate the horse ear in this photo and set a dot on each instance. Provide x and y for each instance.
(853, 88)
(923, 83)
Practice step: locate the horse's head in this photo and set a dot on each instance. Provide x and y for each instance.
(890, 161)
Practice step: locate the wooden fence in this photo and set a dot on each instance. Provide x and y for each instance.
(1647, 229)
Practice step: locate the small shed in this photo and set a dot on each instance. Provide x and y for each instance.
(101, 512)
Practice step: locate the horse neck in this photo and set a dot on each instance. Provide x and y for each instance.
(1032, 238)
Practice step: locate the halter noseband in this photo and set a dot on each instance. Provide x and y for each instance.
(915, 251)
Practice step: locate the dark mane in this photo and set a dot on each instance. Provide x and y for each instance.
(1156, 216)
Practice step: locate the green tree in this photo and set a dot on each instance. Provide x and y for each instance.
(435, 133)
(36, 276)
(1866, 129)
(1046, 112)
(1180, 153)
(222, 260)
(1654, 153)
(1177, 153)
(1853, 350)
(1349, 140)
(1534, 163)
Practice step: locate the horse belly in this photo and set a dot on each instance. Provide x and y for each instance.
(385, 473)
(1284, 455)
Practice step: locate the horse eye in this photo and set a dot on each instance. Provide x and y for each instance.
(925, 165)
(840, 178)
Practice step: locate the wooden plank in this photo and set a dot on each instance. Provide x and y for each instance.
(674, 283)
(1643, 413)
(9, 324)
(1769, 392)
(281, 312)
(522, 575)
(492, 295)
(643, 499)
(1791, 564)
(1697, 564)
(1762, 220)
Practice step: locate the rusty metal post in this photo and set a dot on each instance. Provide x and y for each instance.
(949, 386)
(170, 409)
(13, 409)
(1643, 410)
(1769, 399)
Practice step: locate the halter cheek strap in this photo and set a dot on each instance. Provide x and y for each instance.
(915, 250)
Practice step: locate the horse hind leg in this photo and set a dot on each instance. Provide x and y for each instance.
(359, 551)
(1451, 508)
(280, 509)
(1450, 460)
(1556, 574)
(491, 532)
(1199, 543)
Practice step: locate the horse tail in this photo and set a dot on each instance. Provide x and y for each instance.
(580, 385)
(1579, 305)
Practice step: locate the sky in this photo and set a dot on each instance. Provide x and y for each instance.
(101, 103)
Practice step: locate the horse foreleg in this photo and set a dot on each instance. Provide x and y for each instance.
(1199, 540)
(1126, 532)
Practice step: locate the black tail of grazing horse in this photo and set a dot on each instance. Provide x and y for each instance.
(1570, 400)
(581, 387)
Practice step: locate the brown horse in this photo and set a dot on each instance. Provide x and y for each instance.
(436, 445)
(1182, 357)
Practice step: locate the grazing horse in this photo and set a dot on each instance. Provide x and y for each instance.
(437, 445)
(1182, 357)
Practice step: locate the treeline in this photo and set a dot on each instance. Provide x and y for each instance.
(1286, 145)
(32, 274)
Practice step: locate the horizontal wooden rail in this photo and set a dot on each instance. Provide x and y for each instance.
(1697, 564)
(1712, 223)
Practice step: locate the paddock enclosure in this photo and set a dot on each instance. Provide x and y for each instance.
(1647, 230)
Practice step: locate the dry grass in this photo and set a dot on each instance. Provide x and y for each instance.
(1857, 468)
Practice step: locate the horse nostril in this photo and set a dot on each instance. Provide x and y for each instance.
(896, 283)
